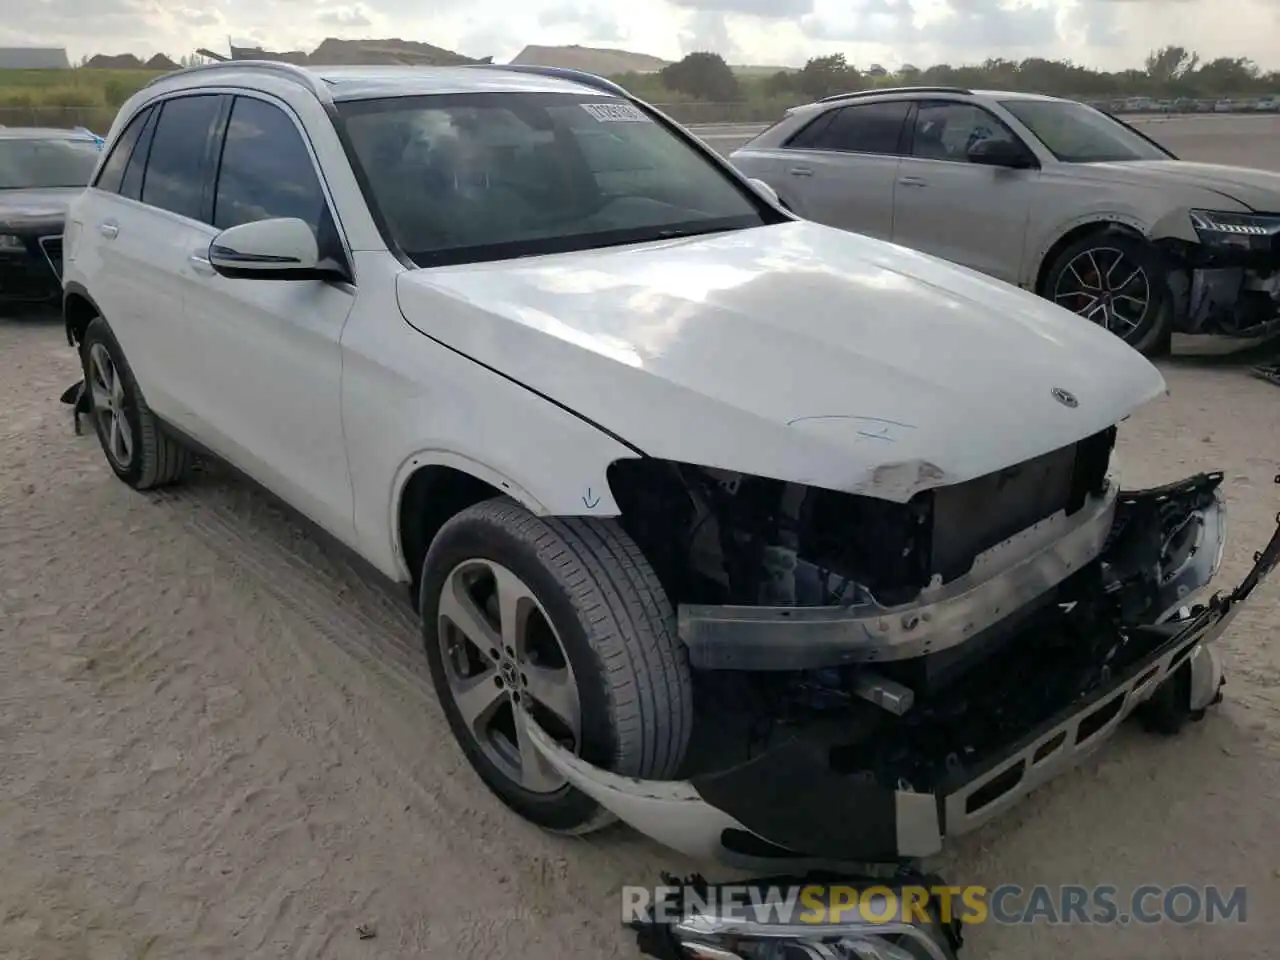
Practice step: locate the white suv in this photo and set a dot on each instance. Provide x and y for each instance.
(673, 475)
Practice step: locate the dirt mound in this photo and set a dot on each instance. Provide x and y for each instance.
(394, 51)
(119, 61)
(597, 60)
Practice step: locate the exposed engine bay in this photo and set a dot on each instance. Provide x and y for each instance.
(716, 537)
(914, 721)
(925, 745)
(1229, 288)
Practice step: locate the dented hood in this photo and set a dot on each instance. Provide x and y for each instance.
(794, 351)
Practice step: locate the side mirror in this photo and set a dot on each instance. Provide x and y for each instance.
(282, 248)
(767, 191)
(996, 152)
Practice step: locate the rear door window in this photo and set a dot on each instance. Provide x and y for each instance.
(176, 167)
(859, 128)
(112, 173)
(131, 186)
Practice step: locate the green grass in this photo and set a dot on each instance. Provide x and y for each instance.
(67, 98)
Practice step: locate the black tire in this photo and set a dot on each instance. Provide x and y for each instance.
(1169, 708)
(618, 633)
(156, 459)
(1153, 334)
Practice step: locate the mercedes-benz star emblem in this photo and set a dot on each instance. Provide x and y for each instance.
(1065, 397)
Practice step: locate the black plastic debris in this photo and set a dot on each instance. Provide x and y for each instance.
(1269, 372)
(77, 397)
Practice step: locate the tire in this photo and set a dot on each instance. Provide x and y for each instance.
(1152, 332)
(154, 459)
(616, 631)
(1169, 708)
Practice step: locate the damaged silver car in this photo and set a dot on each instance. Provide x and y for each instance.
(1049, 194)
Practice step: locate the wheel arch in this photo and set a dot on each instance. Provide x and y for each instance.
(433, 486)
(78, 310)
(1109, 223)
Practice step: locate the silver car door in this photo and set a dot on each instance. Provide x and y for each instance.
(945, 204)
(841, 169)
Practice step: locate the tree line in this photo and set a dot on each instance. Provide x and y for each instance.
(1168, 73)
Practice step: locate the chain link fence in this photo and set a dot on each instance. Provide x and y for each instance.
(692, 113)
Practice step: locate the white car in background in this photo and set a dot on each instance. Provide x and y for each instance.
(1047, 194)
(714, 517)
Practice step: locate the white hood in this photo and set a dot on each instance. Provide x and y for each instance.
(794, 351)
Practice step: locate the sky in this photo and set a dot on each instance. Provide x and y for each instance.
(1107, 34)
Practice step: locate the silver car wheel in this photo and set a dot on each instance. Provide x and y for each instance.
(106, 390)
(1106, 286)
(500, 654)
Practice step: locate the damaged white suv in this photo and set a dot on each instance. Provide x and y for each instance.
(717, 520)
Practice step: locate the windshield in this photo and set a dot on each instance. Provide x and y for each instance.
(1075, 133)
(54, 162)
(469, 177)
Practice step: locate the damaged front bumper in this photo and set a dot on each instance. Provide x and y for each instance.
(815, 798)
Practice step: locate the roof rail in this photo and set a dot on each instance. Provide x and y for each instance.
(560, 73)
(288, 71)
(876, 92)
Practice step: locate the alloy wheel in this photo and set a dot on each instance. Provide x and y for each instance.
(1106, 286)
(502, 655)
(106, 390)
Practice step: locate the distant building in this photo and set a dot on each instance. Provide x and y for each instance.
(34, 58)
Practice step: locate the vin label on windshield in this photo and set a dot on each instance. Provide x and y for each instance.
(616, 113)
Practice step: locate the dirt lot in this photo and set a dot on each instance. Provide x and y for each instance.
(218, 740)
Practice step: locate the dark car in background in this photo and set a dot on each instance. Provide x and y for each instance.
(41, 170)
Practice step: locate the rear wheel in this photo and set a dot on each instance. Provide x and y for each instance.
(564, 619)
(1118, 282)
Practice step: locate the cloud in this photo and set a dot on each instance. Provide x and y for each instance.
(345, 17)
(768, 9)
(592, 22)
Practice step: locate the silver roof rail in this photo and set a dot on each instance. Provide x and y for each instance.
(560, 73)
(288, 71)
(855, 94)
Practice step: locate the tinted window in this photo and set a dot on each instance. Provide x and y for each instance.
(863, 128)
(175, 168)
(488, 176)
(809, 137)
(131, 186)
(266, 170)
(113, 170)
(1075, 133)
(34, 162)
(948, 131)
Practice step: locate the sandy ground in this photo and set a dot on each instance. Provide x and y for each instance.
(217, 739)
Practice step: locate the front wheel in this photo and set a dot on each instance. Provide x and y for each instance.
(138, 450)
(1118, 282)
(565, 619)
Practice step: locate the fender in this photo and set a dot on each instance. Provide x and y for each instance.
(70, 289)
(605, 505)
(1036, 263)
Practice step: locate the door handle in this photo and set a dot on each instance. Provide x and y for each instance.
(109, 230)
(912, 182)
(801, 171)
(200, 263)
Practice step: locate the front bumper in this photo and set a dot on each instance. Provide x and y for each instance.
(791, 805)
(33, 275)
